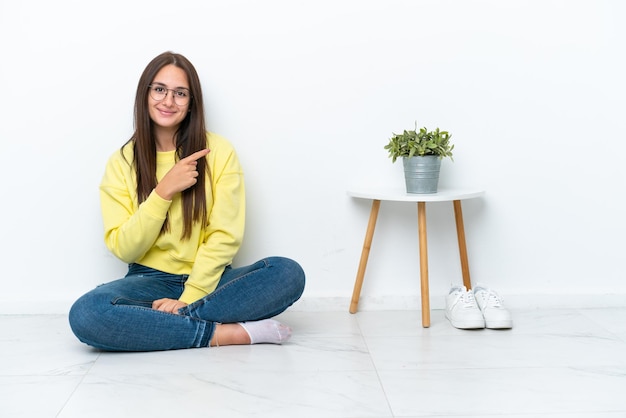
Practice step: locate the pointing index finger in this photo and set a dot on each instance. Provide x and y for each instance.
(196, 155)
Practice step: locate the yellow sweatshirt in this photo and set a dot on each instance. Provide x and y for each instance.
(131, 231)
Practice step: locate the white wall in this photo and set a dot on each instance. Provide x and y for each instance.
(309, 92)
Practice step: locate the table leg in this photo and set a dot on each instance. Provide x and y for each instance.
(460, 232)
(367, 244)
(421, 226)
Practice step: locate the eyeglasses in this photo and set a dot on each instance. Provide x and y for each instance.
(181, 96)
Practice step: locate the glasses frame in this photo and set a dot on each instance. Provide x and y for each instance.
(167, 91)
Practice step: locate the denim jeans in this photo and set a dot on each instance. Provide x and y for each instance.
(118, 316)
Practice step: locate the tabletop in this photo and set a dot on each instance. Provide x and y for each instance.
(400, 194)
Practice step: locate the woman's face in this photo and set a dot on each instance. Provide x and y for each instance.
(166, 101)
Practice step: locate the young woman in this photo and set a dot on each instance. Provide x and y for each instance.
(173, 205)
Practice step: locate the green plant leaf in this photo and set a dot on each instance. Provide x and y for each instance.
(420, 142)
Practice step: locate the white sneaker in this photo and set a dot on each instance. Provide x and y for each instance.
(495, 314)
(462, 310)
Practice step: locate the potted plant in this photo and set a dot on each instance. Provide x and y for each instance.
(421, 152)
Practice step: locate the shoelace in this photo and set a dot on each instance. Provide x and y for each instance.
(468, 300)
(493, 299)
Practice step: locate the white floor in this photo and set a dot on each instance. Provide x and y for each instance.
(553, 363)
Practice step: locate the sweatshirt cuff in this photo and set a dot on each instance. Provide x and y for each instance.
(191, 294)
(156, 206)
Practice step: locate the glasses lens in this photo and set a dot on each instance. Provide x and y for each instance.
(181, 97)
(158, 92)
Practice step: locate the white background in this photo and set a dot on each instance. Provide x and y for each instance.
(309, 92)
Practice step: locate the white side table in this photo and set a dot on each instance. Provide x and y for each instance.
(400, 195)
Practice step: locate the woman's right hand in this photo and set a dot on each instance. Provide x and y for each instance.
(180, 177)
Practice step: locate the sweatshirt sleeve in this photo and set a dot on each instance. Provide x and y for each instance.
(129, 231)
(226, 221)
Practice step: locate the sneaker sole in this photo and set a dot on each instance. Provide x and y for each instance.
(499, 324)
(467, 324)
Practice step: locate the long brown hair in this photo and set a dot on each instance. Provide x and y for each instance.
(190, 137)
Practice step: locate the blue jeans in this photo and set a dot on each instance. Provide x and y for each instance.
(118, 316)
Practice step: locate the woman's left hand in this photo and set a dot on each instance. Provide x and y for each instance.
(168, 305)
